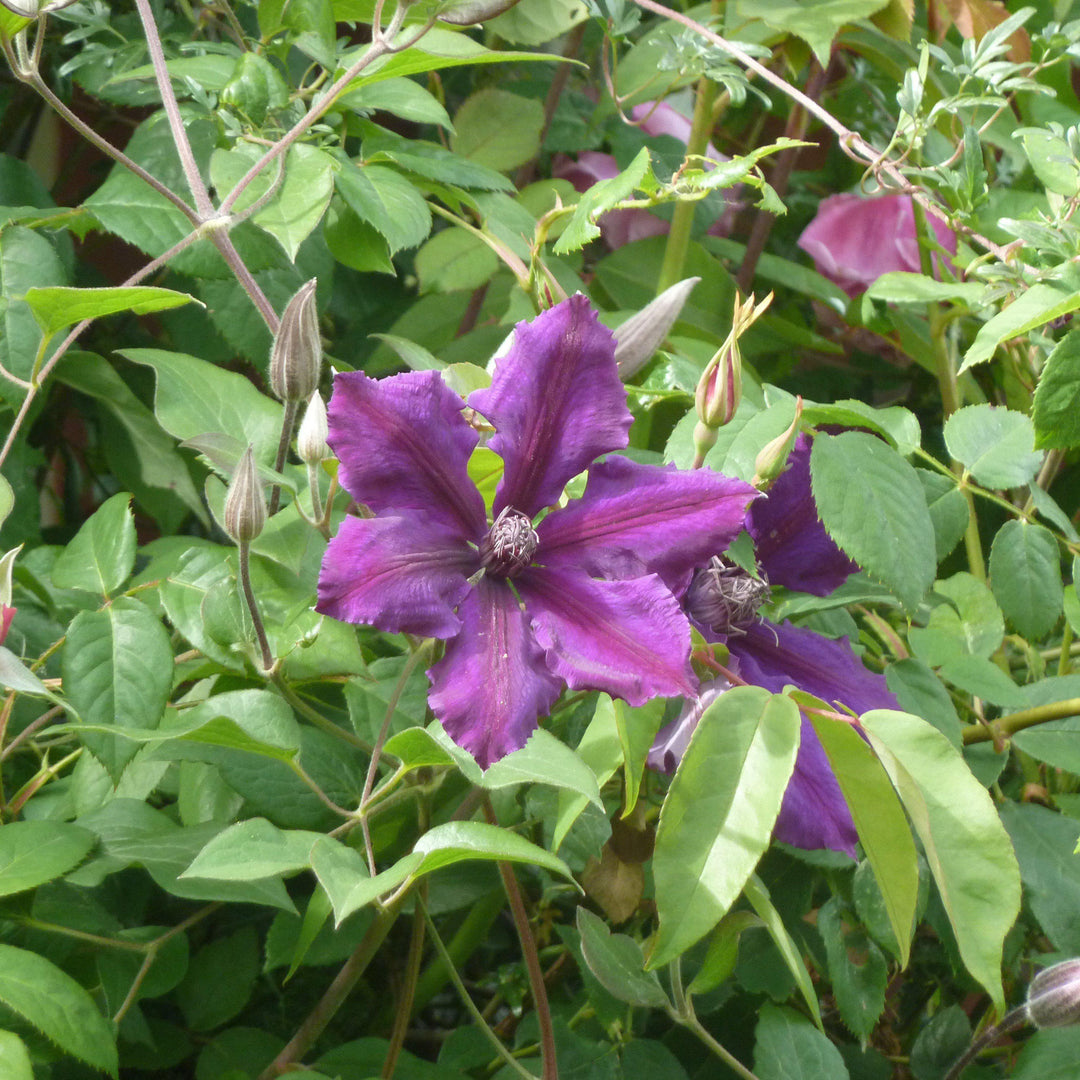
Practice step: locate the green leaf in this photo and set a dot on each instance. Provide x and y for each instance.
(7, 499)
(873, 505)
(1036, 307)
(971, 623)
(902, 287)
(1056, 742)
(194, 397)
(966, 846)
(536, 22)
(719, 812)
(299, 205)
(788, 1047)
(102, 553)
(33, 852)
(1025, 574)
(601, 750)
(1051, 160)
(219, 980)
(402, 97)
(1045, 844)
(758, 898)
(454, 259)
(27, 259)
(1049, 1055)
(256, 721)
(117, 669)
(134, 211)
(948, 510)
(857, 970)
(59, 306)
(1057, 420)
(880, 822)
(344, 875)
(387, 201)
(996, 445)
(898, 425)
(544, 759)
(618, 963)
(413, 356)
(637, 730)
(253, 849)
(15, 675)
(14, 1058)
(456, 841)
(55, 1004)
(155, 456)
(498, 129)
(601, 197)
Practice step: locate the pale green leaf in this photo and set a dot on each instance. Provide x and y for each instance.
(102, 553)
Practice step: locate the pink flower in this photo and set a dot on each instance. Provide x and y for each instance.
(618, 227)
(853, 241)
(6, 615)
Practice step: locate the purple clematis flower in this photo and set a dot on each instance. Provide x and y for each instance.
(585, 597)
(853, 241)
(793, 550)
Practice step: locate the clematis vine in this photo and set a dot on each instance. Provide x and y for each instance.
(793, 550)
(582, 596)
(853, 241)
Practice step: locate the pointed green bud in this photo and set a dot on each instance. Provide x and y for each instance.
(1054, 995)
(314, 430)
(296, 356)
(772, 457)
(644, 332)
(245, 507)
(719, 390)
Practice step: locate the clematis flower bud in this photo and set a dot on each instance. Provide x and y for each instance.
(314, 430)
(296, 356)
(245, 507)
(1054, 995)
(772, 457)
(7, 610)
(643, 333)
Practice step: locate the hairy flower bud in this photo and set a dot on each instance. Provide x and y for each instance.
(719, 390)
(7, 609)
(314, 430)
(1054, 995)
(644, 332)
(296, 357)
(245, 507)
(772, 457)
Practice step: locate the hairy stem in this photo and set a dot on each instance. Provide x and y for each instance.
(288, 422)
(253, 607)
(549, 1067)
(336, 993)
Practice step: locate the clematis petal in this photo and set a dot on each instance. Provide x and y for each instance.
(629, 638)
(774, 656)
(814, 813)
(636, 519)
(556, 403)
(493, 683)
(397, 573)
(404, 445)
(792, 546)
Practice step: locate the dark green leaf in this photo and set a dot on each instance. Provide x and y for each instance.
(857, 969)
(387, 201)
(117, 669)
(1025, 574)
(102, 554)
(788, 1047)
(55, 1004)
(618, 963)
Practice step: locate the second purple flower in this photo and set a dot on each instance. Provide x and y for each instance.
(582, 596)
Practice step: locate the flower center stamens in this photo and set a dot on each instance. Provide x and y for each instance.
(725, 597)
(510, 544)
